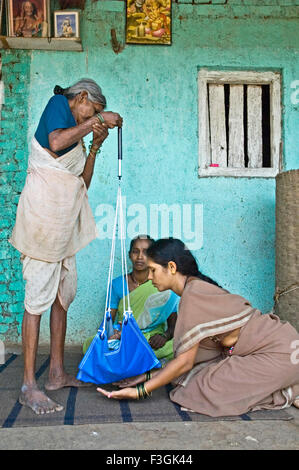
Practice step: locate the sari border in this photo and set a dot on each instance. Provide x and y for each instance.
(199, 332)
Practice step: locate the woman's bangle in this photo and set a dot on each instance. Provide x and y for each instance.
(141, 391)
(93, 150)
(146, 392)
(148, 375)
(101, 118)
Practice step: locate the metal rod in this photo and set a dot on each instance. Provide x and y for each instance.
(120, 152)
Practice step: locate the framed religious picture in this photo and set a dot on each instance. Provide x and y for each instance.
(148, 22)
(1, 16)
(28, 19)
(66, 24)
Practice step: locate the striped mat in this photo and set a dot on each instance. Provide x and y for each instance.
(87, 406)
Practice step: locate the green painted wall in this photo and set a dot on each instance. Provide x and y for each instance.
(155, 90)
(13, 165)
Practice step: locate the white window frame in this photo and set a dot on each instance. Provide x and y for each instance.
(273, 79)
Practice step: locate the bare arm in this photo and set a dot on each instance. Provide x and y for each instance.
(174, 369)
(98, 139)
(157, 341)
(171, 321)
(63, 138)
(113, 312)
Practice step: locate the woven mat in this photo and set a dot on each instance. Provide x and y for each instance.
(87, 406)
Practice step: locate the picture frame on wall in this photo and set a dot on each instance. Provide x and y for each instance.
(148, 22)
(28, 18)
(66, 24)
(1, 16)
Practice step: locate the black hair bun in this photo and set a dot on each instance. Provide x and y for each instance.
(58, 90)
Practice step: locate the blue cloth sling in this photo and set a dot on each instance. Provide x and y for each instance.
(101, 365)
(133, 356)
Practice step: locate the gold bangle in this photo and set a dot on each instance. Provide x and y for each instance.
(101, 118)
(94, 149)
(138, 391)
(142, 392)
(148, 394)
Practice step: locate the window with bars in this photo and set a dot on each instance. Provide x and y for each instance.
(239, 123)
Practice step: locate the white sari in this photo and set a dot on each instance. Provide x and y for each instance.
(54, 219)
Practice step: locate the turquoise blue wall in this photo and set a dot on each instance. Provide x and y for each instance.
(155, 89)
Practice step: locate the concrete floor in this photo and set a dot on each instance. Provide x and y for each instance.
(220, 435)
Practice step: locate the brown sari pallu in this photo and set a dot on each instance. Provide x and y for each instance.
(256, 374)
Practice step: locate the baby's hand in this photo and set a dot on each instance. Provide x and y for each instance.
(116, 335)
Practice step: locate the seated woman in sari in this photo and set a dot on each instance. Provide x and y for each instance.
(154, 311)
(229, 358)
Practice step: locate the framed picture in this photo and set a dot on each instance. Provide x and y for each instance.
(148, 22)
(1, 16)
(28, 19)
(66, 24)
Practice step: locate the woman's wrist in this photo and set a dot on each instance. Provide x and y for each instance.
(86, 126)
(101, 118)
(142, 392)
(165, 335)
(94, 149)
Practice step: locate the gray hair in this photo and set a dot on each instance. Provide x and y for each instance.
(93, 90)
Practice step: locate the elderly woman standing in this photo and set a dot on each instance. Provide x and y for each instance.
(54, 221)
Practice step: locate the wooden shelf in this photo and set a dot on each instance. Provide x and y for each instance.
(51, 44)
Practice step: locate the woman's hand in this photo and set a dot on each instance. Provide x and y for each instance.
(100, 133)
(112, 119)
(157, 341)
(175, 368)
(63, 138)
(124, 394)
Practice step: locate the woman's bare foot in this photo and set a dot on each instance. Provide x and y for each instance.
(38, 401)
(65, 380)
(295, 392)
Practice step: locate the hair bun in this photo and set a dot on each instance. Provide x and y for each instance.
(58, 90)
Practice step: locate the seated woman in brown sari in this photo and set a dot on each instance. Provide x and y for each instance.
(229, 358)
